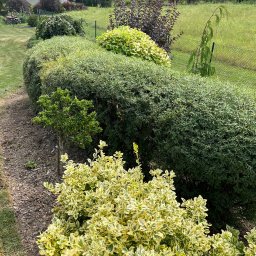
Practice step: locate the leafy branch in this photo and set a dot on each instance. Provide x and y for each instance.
(200, 60)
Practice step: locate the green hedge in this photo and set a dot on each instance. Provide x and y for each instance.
(200, 129)
(47, 51)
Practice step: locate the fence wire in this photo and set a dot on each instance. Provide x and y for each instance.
(233, 64)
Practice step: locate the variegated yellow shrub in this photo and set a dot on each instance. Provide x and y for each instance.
(133, 42)
(104, 209)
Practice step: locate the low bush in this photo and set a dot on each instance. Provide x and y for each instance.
(104, 209)
(33, 20)
(132, 42)
(200, 128)
(71, 119)
(59, 26)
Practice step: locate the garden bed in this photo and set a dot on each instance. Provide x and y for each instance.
(23, 142)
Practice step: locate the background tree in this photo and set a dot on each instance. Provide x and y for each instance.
(18, 5)
(2, 5)
(50, 5)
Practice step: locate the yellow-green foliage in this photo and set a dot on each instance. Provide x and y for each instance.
(105, 210)
(133, 42)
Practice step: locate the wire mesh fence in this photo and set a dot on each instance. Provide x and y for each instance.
(233, 64)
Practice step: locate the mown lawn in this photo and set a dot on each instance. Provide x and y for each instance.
(10, 243)
(12, 51)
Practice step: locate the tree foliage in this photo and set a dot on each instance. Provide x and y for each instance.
(200, 60)
(50, 5)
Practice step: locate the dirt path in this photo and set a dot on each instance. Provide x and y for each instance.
(22, 142)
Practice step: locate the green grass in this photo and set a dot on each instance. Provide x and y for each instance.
(12, 51)
(235, 37)
(234, 55)
(10, 243)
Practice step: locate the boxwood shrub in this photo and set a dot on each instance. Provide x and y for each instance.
(105, 209)
(44, 52)
(200, 128)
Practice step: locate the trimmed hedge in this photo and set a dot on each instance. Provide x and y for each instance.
(200, 129)
(47, 51)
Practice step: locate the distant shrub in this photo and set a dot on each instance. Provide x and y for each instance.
(153, 17)
(104, 209)
(59, 26)
(132, 42)
(33, 20)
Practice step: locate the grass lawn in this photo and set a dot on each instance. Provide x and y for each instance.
(12, 52)
(10, 243)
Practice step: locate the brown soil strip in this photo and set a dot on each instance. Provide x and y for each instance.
(22, 142)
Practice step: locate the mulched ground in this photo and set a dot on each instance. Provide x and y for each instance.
(22, 142)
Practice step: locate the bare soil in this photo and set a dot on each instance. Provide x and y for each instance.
(22, 141)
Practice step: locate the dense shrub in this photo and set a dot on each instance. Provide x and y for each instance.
(33, 20)
(153, 17)
(72, 119)
(199, 128)
(132, 42)
(44, 52)
(57, 26)
(103, 209)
